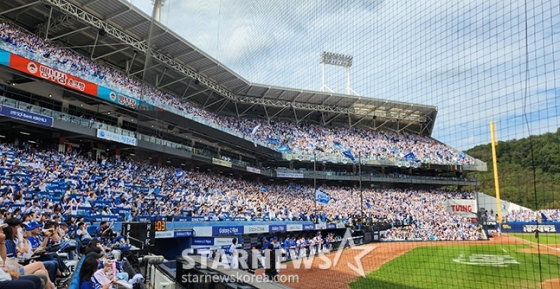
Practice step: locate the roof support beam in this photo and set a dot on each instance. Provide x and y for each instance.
(69, 33)
(142, 70)
(19, 7)
(111, 53)
(187, 89)
(196, 93)
(277, 113)
(266, 113)
(295, 114)
(129, 65)
(48, 24)
(207, 99)
(173, 82)
(358, 121)
(249, 108)
(308, 114)
(222, 106)
(215, 102)
(158, 81)
(118, 13)
(94, 44)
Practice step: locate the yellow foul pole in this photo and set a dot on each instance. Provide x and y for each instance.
(495, 165)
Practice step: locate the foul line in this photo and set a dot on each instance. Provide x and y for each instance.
(533, 243)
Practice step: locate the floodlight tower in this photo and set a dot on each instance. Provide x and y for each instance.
(157, 9)
(336, 59)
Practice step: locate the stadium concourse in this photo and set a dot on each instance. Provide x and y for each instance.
(280, 135)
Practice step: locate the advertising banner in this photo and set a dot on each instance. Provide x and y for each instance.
(26, 116)
(255, 229)
(227, 231)
(465, 208)
(221, 162)
(55, 76)
(531, 227)
(116, 137)
(289, 175)
(253, 170)
(123, 100)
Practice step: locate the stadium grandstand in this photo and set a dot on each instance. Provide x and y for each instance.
(109, 117)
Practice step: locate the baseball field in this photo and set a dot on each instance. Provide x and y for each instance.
(509, 261)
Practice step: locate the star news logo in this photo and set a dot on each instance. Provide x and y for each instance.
(223, 259)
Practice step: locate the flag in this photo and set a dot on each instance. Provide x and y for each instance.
(284, 148)
(544, 218)
(322, 197)
(253, 134)
(273, 141)
(410, 156)
(348, 153)
(310, 146)
(255, 129)
(337, 145)
(179, 173)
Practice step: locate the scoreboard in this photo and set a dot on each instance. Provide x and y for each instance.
(140, 234)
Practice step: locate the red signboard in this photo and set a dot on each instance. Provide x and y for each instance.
(45, 72)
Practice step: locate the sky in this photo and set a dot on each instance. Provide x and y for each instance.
(477, 61)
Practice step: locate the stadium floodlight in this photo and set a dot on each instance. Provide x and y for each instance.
(337, 59)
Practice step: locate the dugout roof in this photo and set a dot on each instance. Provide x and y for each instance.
(115, 33)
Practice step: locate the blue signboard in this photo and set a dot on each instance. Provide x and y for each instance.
(227, 231)
(331, 226)
(277, 228)
(184, 233)
(203, 241)
(308, 227)
(531, 227)
(26, 116)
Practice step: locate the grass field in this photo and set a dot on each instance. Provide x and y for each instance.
(547, 239)
(469, 266)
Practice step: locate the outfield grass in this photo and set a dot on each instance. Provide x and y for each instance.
(434, 267)
(547, 239)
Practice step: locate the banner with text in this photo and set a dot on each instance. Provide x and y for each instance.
(123, 100)
(55, 76)
(289, 175)
(465, 208)
(253, 170)
(26, 116)
(221, 162)
(531, 227)
(116, 137)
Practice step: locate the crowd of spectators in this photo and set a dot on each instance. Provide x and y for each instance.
(30, 179)
(283, 136)
(524, 215)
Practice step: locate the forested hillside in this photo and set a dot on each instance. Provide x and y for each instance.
(518, 183)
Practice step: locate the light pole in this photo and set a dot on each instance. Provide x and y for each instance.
(361, 191)
(315, 185)
(336, 59)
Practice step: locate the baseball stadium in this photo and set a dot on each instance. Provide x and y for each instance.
(222, 144)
